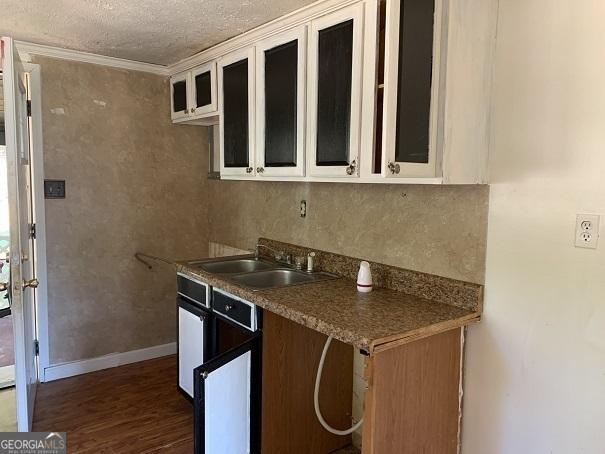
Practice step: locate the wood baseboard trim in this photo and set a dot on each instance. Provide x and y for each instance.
(73, 368)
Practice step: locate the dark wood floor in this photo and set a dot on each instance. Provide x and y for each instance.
(128, 409)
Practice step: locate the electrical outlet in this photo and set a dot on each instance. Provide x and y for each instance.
(587, 231)
(303, 208)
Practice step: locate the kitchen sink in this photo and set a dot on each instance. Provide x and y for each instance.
(280, 277)
(234, 266)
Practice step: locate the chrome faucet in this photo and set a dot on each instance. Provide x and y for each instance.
(277, 254)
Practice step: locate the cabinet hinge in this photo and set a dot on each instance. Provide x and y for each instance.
(37, 348)
(29, 108)
(32, 231)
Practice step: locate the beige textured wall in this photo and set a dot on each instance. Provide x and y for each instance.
(435, 229)
(134, 182)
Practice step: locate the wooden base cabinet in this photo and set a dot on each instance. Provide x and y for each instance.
(291, 355)
(412, 404)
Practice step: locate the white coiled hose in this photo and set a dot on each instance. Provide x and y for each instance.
(316, 397)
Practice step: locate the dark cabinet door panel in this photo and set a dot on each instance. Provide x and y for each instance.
(179, 96)
(281, 68)
(335, 60)
(235, 114)
(203, 90)
(414, 80)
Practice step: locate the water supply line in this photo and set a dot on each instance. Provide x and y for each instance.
(316, 397)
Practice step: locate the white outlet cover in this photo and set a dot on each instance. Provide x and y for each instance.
(587, 231)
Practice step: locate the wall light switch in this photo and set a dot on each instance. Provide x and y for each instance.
(587, 230)
(54, 189)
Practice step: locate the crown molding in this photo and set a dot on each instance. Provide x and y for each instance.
(27, 49)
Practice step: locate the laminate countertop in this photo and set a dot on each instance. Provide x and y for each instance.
(372, 322)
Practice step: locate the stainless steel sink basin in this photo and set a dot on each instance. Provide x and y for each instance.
(281, 277)
(234, 266)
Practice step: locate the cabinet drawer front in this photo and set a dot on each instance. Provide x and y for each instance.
(235, 309)
(194, 291)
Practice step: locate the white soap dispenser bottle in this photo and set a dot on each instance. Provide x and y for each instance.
(364, 278)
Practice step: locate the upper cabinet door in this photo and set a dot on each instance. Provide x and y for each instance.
(334, 93)
(280, 104)
(203, 89)
(179, 95)
(236, 107)
(411, 109)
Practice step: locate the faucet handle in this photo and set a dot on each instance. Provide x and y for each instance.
(298, 262)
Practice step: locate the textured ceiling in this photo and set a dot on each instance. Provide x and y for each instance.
(151, 31)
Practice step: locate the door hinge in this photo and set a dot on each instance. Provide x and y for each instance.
(32, 231)
(29, 108)
(37, 348)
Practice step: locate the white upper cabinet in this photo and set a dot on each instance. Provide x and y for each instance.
(193, 95)
(438, 64)
(280, 104)
(334, 93)
(237, 113)
(364, 91)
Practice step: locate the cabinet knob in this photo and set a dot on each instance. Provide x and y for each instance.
(351, 167)
(192, 110)
(260, 169)
(394, 168)
(228, 307)
(249, 170)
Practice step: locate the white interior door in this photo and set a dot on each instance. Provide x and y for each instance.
(22, 283)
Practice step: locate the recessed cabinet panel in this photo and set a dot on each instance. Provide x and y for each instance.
(235, 114)
(202, 89)
(236, 87)
(203, 84)
(415, 76)
(280, 104)
(334, 93)
(411, 109)
(179, 96)
(335, 62)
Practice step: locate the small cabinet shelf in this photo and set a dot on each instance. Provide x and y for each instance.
(236, 107)
(334, 93)
(280, 104)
